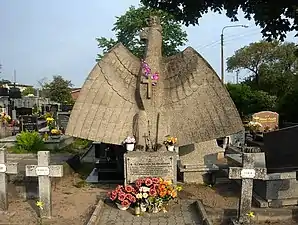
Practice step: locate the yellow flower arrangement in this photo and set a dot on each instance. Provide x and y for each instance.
(55, 132)
(170, 140)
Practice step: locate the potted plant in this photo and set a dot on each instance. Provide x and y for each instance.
(123, 196)
(55, 133)
(129, 142)
(170, 142)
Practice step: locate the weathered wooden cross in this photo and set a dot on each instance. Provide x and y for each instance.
(149, 83)
(247, 174)
(5, 168)
(44, 171)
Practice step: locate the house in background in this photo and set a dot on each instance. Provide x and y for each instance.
(75, 93)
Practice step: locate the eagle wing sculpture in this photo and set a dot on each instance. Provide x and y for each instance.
(201, 107)
(106, 104)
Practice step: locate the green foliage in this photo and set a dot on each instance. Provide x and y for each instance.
(81, 143)
(29, 141)
(58, 90)
(276, 18)
(129, 25)
(28, 90)
(249, 101)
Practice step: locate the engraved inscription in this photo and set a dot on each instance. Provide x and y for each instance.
(156, 169)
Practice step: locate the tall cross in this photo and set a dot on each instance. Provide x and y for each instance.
(5, 168)
(247, 173)
(44, 171)
(149, 83)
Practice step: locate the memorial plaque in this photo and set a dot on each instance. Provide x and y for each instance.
(150, 164)
(42, 171)
(268, 119)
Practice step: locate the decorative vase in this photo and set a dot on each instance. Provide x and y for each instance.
(121, 207)
(130, 147)
(171, 148)
(143, 207)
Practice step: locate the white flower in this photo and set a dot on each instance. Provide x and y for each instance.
(130, 140)
(145, 195)
(139, 196)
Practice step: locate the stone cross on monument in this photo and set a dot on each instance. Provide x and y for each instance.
(247, 174)
(5, 168)
(149, 83)
(44, 171)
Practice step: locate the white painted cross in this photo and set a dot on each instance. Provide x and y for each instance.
(44, 171)
(247, 174)
(5, 168)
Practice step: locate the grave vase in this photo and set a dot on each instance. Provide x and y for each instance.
(130, 146)
(171, 148)
(143, 207)
(121, 207)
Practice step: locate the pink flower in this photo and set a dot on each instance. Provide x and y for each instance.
(155, 180)
(133, 199)
(125, 203)
(129, 196)
(121, 197)
(155, 76)
(119, 187)
(139, 183)
(148, 182)
(113, 197)
(152, 191)
(128, 188)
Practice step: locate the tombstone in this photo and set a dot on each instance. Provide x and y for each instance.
(268, 119)
(23, 111)
(62, 119)
(247, 173)
(5, 168)
(29, 123)
(198, 160)
(44, 171)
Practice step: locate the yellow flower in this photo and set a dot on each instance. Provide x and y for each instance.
(39, 204)
(251, 214)
(139, 196)
(168, 182)
(178, 188)
(50, 119)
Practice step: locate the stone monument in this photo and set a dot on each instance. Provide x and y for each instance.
(180, 95)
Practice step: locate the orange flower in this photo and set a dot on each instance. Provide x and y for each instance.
(174, 194)
(163, 194)
(162, 187)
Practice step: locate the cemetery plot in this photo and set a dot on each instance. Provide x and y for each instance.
(29, 123)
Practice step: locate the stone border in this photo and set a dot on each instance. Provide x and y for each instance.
(205, 220)
(94, 218)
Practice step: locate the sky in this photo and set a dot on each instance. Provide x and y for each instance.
(41, 38)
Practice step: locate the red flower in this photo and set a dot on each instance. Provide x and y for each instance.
(152, 191)
(128, 188)
(133, 199)
(125, 203)
(113, 197)
(139, 183)
(155, 180)
(121, 197)
(129, 196)
(148, 182)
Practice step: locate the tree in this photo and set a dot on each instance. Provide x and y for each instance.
(276, 18)
(249, 101)
(272, 66)
(59, 90)
(129, 25)
(28, 90)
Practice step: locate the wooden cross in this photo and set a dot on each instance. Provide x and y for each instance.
(44, 171)
(149, 83)
(5, 168)
(247, 174)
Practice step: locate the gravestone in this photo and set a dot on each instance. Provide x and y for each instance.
(280, 149)
(63, 118)
(23, 111)
(152, 164)
(247, 173)
(268, 120)
(44, 171)
(29, 123)
(5, 168)
(197, 160)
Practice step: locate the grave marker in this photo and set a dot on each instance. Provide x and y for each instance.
(44, 171)
(5, 168)
(29, 123)
(247, 174)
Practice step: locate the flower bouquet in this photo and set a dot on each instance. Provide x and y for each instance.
(156, 193)
(130, 143)
(170, 142)
(123, 196)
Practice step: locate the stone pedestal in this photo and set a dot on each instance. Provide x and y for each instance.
(197, 160)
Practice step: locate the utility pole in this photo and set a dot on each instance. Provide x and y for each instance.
(237, 77)
(222, 50)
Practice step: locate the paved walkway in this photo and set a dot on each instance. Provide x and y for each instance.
(184, 213)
